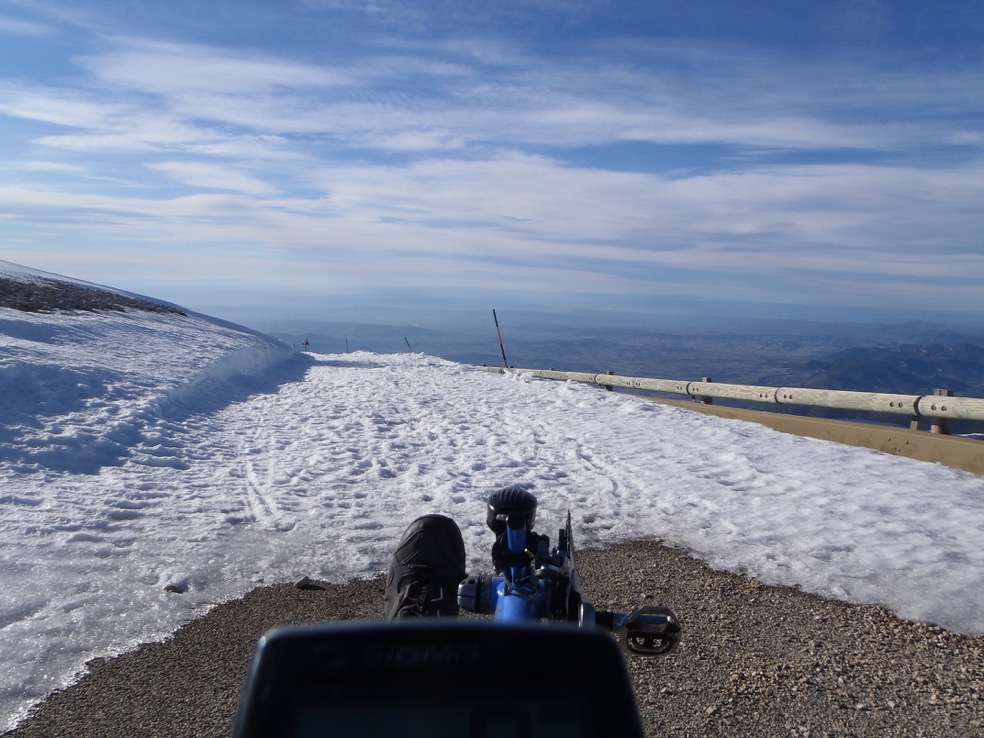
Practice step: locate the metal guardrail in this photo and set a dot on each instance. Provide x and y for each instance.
(940, 407)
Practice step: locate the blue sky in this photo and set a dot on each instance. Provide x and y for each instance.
(800, 158)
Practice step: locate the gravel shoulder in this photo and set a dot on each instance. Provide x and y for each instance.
(755, 661)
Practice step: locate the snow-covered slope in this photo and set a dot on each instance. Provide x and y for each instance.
(84, 389)
(145, 452)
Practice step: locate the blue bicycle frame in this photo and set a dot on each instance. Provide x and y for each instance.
(518, 595)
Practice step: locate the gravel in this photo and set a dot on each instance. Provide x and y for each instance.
(755, 661)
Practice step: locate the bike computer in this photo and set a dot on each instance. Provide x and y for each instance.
(436, 677)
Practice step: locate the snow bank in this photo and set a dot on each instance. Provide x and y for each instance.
(80, 388)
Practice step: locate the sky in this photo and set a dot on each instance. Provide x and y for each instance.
(802, 159)
(141, 451)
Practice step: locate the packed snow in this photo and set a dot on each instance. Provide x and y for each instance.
(153, 465)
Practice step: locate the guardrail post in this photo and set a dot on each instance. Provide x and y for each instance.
(608, 386)
(706, 400)
(914, 421)
(941, 425)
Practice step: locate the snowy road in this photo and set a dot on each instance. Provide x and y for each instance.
(209, 475)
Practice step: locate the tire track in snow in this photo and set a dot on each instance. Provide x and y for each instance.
(260, 503)
(259, 458)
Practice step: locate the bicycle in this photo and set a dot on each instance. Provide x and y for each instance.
(520, 674)
(535, 582)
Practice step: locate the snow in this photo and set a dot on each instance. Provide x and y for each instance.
(144, 451)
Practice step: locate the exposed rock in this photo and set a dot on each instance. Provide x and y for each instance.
(48, 295)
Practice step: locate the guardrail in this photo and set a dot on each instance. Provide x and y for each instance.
(940, 407)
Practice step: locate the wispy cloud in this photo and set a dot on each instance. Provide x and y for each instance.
(56, 106)
(453, 103)
(178, 70)
(212, 176)
(18, 27)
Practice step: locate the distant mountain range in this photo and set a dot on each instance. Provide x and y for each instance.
(910, 367)
(912, 358)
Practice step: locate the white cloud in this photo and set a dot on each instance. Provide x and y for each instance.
(520, 214)
(175, 69)
(18, 27)
(435, 103)
(56, 167)
(213, 176)
(57, 106)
